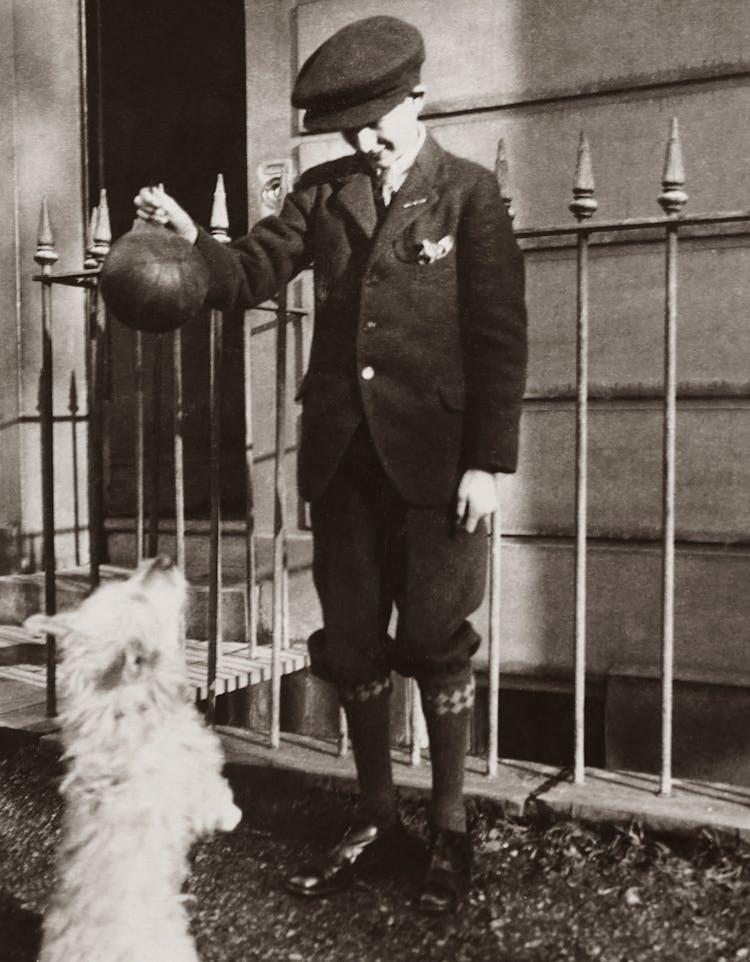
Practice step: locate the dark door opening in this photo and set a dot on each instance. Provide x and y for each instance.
(166, 104)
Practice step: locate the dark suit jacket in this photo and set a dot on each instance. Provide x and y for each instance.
(433, 354)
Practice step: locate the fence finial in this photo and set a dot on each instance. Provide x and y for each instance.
(584, 204)
(503, 178)
(102, 229)
(89, 261)
(73, 395)
(219, 226)
(673, 198)
(46, 255)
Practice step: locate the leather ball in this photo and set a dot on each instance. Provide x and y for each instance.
(153, 280)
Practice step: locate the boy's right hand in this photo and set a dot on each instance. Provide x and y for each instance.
(155, 206)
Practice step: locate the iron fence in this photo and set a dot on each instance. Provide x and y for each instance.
(583, 206)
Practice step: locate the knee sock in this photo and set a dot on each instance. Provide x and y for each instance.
(447, 711)
(367, 710)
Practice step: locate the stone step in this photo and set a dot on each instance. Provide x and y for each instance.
(23, 595)
(120, 541)
(304, 610)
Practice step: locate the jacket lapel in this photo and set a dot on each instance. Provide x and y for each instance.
(356, 199)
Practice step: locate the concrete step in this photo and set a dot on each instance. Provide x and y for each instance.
(522, 788)
(304, 610)
(17, 647)
(120, 543)
(23, 595)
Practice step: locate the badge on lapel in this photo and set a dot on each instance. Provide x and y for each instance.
(431, 251)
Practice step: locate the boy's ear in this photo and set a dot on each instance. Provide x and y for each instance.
(58, 625)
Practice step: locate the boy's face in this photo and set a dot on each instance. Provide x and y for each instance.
(384, 140)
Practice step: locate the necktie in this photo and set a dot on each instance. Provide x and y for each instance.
(386, 183)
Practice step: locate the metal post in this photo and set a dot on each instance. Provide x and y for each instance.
(214, 564)
(45, 257)
(179, 464)
(279, 539)
(417, 723)
(73, 408)
(94, 436)
(668, 488)
(672, 200)
(582, 206)
(251, 576)
(280, 610)
(219, 229)
(299, 370)
(90, 262)
(140, 498)
(581, 509)
(102, 237)
(155, 448)
(493, 693)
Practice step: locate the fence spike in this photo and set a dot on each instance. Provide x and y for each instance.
(219, 226)
(102, 229)
(584, 204)
(503, 178)
(673, 197)
(46, 254)
(73, 395)
(89, 260)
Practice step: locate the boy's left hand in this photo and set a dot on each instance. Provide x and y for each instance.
(476, 499)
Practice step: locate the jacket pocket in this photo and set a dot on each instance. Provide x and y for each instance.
(406, 249)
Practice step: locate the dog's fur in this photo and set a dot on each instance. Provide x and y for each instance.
(143, 776)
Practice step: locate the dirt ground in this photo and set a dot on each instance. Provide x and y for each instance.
(542, 892)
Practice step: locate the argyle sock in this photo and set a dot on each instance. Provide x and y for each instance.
(447, 712)
(367, 710)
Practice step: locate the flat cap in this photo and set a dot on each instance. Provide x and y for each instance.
(359, 74)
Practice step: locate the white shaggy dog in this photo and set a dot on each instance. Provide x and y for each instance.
(143, 776)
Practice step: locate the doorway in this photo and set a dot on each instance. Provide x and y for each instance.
(167, 104)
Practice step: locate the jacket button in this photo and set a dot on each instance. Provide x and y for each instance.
(368, 373)
(369, 325)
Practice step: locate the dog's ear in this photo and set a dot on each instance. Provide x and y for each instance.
(58, 625)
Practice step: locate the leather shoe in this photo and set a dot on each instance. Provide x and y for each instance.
(364, 843)
(448, 877)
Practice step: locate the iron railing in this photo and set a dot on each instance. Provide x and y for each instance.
(583, 206)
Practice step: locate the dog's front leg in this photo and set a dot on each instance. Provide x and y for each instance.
(214, 808)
